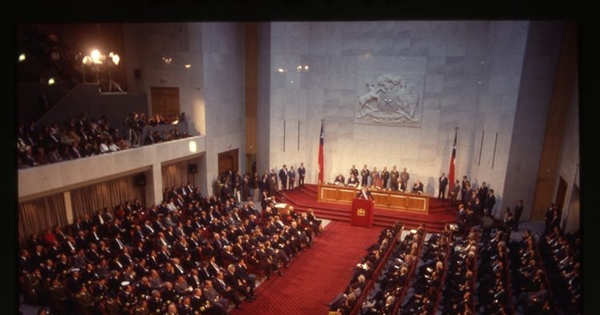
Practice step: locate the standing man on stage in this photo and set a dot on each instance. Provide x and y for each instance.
(283, 176)
(443, 183)
(464, 188)
(385, 177)
(354, 171)
(291, 178)
(454, 193)
(394, 177)
(364, 173)
(301, 174)
(404, 177)
(273, 182)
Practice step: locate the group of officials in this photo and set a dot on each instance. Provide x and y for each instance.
(287, 177)
(393, 180)
(480, 200)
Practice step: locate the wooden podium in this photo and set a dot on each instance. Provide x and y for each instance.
(362, 212)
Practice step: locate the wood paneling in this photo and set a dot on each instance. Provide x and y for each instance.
(391, 200)
(165, 101)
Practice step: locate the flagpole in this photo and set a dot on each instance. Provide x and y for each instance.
(321, 159)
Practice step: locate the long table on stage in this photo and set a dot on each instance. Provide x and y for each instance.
(386, 199)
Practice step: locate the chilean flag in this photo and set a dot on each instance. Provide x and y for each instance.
(321, 158)
(452, 161)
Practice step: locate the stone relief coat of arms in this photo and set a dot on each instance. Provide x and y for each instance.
(391, 101)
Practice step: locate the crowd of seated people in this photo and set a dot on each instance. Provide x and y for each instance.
(494, 290)
(130, 258)
(531, 287)
(458, 294)
(364, 272)
(424, 295)
(83, 136)
(561, 254)
(396, 276)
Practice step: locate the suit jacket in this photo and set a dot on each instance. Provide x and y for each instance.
(213, 268)
(443, 182)
(182, 288)
(198, 301)
(283, 175)
(230, 257)
(211, 294)
(195, 281)
(204, 273)
(301, 171)
(163, 257)
(220, 286)
(169, 295)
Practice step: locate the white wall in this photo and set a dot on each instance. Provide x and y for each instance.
(207, 65)
(223, 74)
(531, 114)
(467, 75)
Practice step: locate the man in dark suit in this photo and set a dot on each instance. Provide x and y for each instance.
(443, 183)
(364, 193)
(241, 271)
(417, 187)
(490, 202)
(210, 293)
(301, 174)
(385, 177)
(454, 191)
(364, 173)
(204, 271)
(232, 280)
(404, 177)
(193, 279)
(464, 188)
(291, 178)
(283, 177)
(272, 183)
(518, 211)
(226, 290)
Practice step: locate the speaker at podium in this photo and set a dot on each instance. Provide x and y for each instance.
(362, 212)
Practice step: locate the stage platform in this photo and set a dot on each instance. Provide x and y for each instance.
(439, 213)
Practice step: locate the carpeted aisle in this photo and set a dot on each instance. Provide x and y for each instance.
(316, 276)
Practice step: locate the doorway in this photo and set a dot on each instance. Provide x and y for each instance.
(228, 161)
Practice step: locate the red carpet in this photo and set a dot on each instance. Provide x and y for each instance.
(316, 276)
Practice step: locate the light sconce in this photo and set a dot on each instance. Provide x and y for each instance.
(303, 68)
